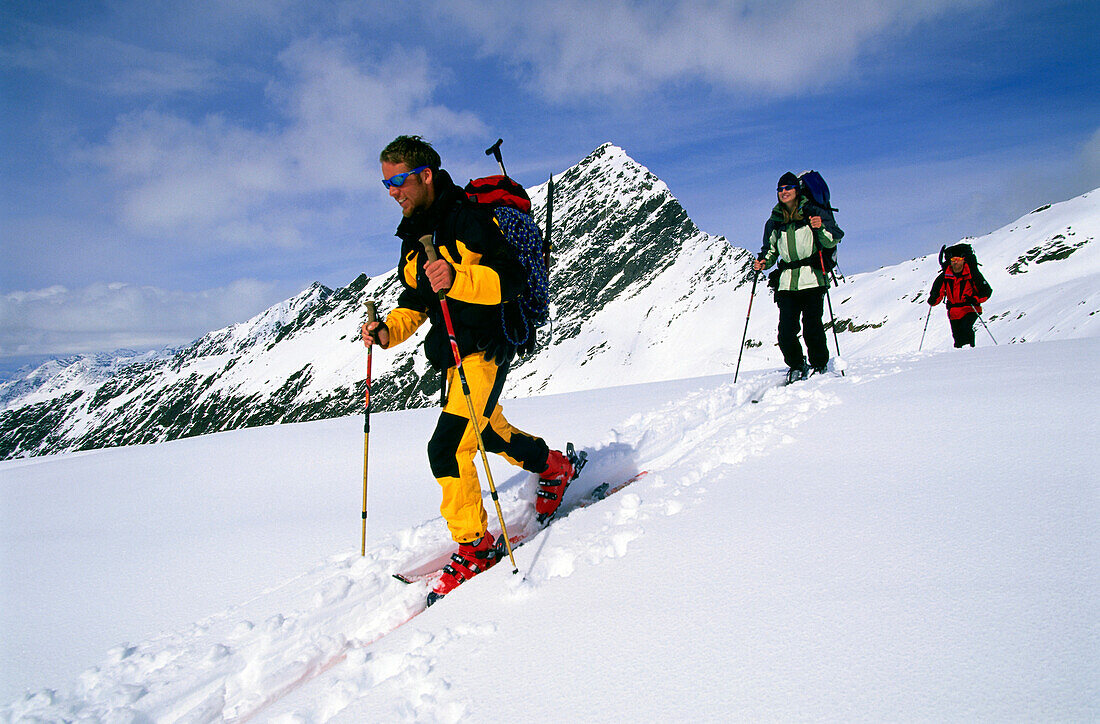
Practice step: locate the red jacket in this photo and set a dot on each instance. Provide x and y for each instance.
(964, 293)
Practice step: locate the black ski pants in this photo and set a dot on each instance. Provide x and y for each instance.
(962, 329)
(804, 309)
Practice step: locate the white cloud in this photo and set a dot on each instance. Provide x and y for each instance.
(107, 65)
(775, 47)
(218, 181)
(59, 321)
(343, 112)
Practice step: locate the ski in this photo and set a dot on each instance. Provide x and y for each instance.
(249, 710)
(765, 390)
(605, 490)
(433, 568)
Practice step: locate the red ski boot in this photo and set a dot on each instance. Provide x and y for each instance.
(553, 481)
(470, 560)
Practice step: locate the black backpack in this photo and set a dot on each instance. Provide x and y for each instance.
(966, 252)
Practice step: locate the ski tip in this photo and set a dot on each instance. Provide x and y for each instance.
(433, 597)
(402, 578)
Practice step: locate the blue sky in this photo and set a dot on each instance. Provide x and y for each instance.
(173, 167)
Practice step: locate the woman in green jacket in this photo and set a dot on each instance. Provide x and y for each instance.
(798, 235)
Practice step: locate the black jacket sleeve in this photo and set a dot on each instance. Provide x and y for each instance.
(476, 229)
(936, 293)
(769, 227)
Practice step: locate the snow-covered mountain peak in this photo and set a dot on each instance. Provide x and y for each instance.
(66, 375)
(1055, 232)
(265, 326)
(609, 175)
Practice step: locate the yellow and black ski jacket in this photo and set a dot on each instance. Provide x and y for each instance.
(487, 273)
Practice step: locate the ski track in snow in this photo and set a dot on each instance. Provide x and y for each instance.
(233, 668)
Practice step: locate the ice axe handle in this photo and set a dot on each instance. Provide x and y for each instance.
(494, 150)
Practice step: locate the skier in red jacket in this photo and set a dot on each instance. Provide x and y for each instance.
(963, 288)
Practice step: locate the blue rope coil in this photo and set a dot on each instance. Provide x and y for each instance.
(533, 303)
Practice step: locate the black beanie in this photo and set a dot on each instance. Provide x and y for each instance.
(788, 179)
(963, 250)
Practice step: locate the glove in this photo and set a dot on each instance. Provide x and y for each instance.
(375, 334)
(497, 349)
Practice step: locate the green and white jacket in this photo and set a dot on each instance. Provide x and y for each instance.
(792, 243)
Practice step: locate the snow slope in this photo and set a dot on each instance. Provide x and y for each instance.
(915, 540)
(1045, 273)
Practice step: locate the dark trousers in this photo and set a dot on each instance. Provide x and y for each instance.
(806, 305)
(963, 329)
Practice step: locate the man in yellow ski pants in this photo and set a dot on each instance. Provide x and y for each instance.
(478, 272)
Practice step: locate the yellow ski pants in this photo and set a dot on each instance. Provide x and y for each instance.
(453, 445)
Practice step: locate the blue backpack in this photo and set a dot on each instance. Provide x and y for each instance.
(511, 206)
(813, 187)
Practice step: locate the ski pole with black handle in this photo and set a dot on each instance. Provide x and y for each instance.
(755, 276)
(433, 255)
(371, 318)
(494, 150)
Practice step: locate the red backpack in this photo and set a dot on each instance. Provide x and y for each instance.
(499, 191)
